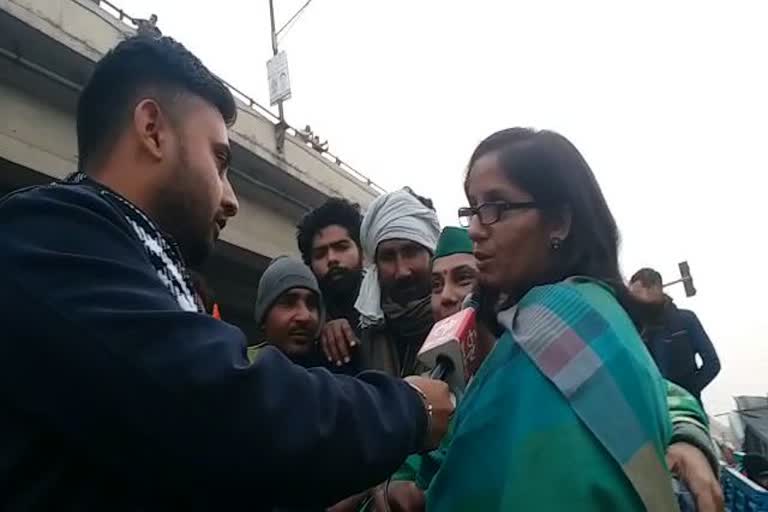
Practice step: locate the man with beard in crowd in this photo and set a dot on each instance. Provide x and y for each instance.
(674, 337)
(329, 242)
(399, 233)
(117, 391)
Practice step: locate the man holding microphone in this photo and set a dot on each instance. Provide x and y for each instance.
(116, 391)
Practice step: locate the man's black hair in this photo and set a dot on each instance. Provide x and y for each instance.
(648, 277)
(334, 212)
(140, 67)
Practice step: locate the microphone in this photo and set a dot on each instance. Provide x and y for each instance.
(450, 347)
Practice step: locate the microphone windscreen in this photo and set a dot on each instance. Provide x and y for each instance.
(471, 301)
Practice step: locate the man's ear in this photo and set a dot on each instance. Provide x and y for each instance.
(152, 128)
(560, 226)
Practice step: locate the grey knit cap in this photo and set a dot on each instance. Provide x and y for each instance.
(283, 274)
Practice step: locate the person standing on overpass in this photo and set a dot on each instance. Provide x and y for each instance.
(117, 392)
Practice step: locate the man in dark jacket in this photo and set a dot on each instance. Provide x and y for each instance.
(116, 391)
(290, 313)
(674, 337)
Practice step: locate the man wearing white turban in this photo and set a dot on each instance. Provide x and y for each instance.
(398, 235)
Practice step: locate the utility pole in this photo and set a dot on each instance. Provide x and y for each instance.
(277, 69)
(281, 125)
(280, 112)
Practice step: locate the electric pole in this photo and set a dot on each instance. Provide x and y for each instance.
(277, 69)
(280, 112)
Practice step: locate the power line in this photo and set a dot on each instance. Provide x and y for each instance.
(286, 28)
(293, 18)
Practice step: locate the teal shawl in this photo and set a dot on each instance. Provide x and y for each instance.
(520, 439)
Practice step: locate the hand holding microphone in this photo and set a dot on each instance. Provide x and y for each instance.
(439, 403)
(451, 351)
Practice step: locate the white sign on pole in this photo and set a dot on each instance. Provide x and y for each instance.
(279, 81)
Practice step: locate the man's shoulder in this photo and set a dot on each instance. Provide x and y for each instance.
(62, 217)
(687, 315)
(55, 199)
(253, 351)
(52, 193)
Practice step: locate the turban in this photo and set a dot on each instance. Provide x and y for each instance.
(397, 215)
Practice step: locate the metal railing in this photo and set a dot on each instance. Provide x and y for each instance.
(327, 156)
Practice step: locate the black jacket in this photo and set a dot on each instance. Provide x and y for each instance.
(114, 398)
(674, 339)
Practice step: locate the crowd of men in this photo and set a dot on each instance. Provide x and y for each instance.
(415, 286)
(118, 394)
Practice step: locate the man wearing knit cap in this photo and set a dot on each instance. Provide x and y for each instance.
(398, 234)
(289, 311)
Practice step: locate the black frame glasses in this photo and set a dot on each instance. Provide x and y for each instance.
(490, 213)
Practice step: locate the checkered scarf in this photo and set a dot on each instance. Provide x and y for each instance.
(162, 251)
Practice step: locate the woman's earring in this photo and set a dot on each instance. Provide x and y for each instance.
(556, 243)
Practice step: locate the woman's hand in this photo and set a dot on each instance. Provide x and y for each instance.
(687, 462)
(406, 497)
(402, 497)
(350, 504)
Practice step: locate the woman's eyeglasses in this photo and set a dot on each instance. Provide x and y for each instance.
(490, 213)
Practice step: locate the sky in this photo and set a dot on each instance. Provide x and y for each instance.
(668, 102)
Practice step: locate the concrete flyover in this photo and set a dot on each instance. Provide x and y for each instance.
(47, 51)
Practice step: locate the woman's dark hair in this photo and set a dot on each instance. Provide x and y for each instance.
(550, 168)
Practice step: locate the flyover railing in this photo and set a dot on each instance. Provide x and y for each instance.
(327, 156)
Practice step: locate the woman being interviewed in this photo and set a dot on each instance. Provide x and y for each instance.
(568, 411)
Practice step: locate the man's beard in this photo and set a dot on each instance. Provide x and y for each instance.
(341, 284)
(179, 214)
(408, 290)
(649, 312)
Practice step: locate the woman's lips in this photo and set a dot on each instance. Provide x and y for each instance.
(483, 260)
(482, 256)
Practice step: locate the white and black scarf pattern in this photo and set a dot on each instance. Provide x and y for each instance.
(163, 252)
